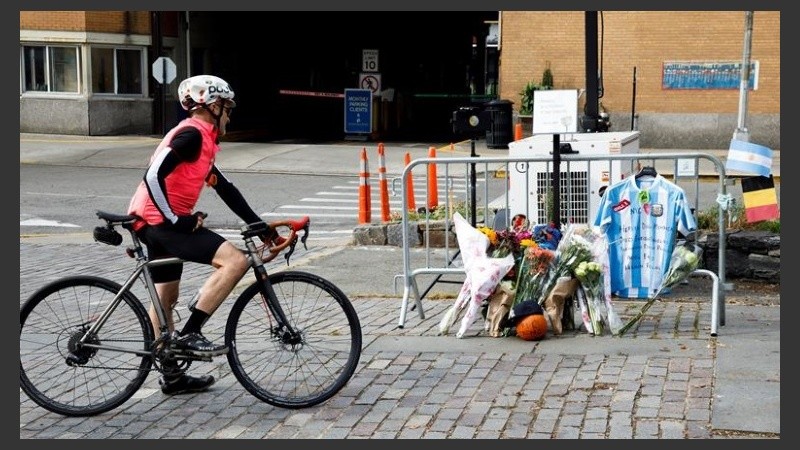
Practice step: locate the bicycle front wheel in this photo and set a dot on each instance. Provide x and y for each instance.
(101, 376)
(294, 372)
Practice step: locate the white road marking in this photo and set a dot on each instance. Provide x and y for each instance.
(58, 194)
(294, 214)
(346, 208)
(46, 223)
(338, 200)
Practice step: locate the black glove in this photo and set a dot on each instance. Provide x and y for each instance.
(188, 223)
(270, 235)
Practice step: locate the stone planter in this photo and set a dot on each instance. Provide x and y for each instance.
(431, 233)
(434, 234)
(749, 254)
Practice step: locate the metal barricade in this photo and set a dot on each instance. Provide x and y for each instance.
(490, 204)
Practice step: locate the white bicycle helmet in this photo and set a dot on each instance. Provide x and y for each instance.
(199, 90)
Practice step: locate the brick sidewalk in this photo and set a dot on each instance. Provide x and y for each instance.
(657, 382)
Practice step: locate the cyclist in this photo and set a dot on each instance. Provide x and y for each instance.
(182, 164)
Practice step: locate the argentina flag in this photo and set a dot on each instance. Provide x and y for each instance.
(749, 158)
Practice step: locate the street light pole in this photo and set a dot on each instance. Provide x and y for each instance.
(741, 133)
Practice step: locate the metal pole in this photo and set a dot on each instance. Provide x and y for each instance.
(154, 46)
(472, 182)
(741, 133)
(591, 109)
(556, 189)
(164, 97)
(633, 102)
(188, 45)
(159, 107)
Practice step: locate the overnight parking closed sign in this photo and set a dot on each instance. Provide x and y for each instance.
(357, 111)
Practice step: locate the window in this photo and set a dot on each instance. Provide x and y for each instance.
(116, 71)
(49, 68)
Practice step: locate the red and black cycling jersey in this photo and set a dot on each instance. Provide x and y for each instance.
(181, 166)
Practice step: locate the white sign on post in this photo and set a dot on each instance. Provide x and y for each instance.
(371, 81)
(369, 60)
(555, 111)
(164, 70)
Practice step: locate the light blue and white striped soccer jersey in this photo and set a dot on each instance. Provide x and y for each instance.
(641, 218)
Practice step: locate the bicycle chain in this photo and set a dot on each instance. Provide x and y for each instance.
(156, 355)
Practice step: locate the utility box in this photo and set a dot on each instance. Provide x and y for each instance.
(530, 188)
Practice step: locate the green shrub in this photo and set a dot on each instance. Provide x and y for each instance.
(736, 219)
(547, 78)
(526, 95)
(437, 213)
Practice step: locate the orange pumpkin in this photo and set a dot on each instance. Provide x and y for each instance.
(532, 328)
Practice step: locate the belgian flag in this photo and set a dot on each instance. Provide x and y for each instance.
(760, 199)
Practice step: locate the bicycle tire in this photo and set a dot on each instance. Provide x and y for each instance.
(303, 375)
(52, 319)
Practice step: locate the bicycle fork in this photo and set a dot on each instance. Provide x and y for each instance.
(282, 330)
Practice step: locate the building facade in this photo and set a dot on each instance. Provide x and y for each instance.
(670, 74)
(696, 109)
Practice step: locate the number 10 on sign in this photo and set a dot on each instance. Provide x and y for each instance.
(369, 60)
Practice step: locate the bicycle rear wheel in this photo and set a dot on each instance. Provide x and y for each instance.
(53, 320)
(294, 374)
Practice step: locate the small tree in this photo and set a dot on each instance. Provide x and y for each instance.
(527, 93)
(526, 98)
(547, 77)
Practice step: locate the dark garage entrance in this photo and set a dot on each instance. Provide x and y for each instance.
(287, 69)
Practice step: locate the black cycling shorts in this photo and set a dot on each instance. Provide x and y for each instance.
(163, 241)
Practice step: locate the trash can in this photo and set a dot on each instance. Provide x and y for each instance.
(501, 123)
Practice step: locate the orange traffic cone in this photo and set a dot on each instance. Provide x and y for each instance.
(364, 201)
(411, 205)
(518, 132)
(383, 184)
(433, 182)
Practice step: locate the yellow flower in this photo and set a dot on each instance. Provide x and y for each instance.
(490, 233)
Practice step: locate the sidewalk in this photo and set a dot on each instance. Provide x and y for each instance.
(669, 379)
(340, 158)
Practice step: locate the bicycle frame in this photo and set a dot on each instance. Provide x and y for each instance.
(271, 333)
(142, 271)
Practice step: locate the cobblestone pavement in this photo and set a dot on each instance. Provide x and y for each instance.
(656, 382)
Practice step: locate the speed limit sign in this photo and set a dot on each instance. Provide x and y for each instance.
(369, 60)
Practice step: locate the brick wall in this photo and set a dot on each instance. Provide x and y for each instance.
(123, 22)
(645, 40)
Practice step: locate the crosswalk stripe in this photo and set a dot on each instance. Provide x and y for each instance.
(344, 208)
(312, 215)
(338, 200)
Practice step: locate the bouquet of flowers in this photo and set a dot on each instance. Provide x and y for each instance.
(534, 274)
(683, 262)
(483, 274)
(573, 249)
(597, 310)
(512, 241)
(590, 275)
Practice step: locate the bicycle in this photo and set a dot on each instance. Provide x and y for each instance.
(87, 343)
